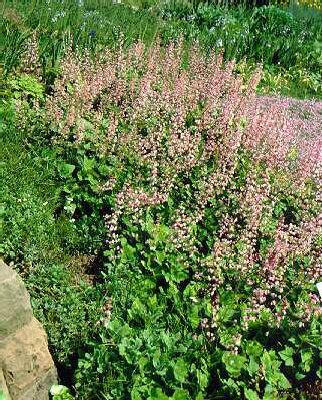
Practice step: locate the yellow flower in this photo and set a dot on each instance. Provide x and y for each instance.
(317, 4)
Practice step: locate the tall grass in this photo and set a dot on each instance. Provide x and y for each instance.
(59, 25)
(269, 35)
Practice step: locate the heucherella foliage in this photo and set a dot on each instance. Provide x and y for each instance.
(212, 216)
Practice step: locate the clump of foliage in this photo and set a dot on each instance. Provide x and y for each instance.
(286, 41)
(211, 232)
(71, 308)
(255, 33)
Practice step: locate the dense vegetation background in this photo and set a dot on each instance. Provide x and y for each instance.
(161, 197)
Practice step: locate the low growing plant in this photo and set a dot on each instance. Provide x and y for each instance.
(211, 219)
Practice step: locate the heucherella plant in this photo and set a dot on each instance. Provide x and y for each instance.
(210, 200)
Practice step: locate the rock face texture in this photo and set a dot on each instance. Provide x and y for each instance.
(26, 368)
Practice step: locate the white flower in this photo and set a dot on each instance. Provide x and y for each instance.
(59, 14)
(319, 286)
(219, 43)
(57, 389)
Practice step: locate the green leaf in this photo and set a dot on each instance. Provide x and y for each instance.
(180, 370)
(306, 355)
(193, 316)
(128, 252)
(166, 338)
(69, 88)
(270, 362)
(156, 358)
(104, 170)
(254, 349)
(251, 394)
(272, 372)
(177, 273)
(160, 256)
(30, 85)
(234, 363)
(203, 379)
(66, 170)
(88, 164)
(299, 376)
(307, 359)
(161, 233)
(283, 381)
(226, 313)
(270, 393)
(58, 390)
(157, 394)
(180, 394)
(319, 373)
(287, 356)
(253, 366)
(160, 362)
(137, 309)
(143, 361)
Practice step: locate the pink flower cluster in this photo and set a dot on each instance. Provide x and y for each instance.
(165, 120)
(287, 133)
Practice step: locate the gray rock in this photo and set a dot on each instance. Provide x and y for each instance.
(27, 370)
(15, 308)
(3, 386)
